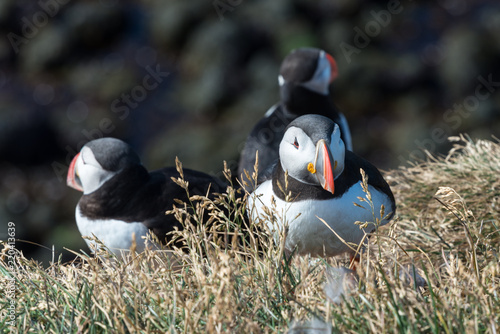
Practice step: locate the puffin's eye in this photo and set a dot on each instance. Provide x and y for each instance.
(296, 143)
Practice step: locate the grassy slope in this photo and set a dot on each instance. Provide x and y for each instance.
(453, 243)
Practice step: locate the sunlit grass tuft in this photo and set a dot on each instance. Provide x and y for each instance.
(446, 233)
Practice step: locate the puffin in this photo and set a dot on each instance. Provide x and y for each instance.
(122, 201)
(315, 189)
(304, 80)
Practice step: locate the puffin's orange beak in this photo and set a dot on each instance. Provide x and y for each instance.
(73, 180)
(323, 166)
(333, 66)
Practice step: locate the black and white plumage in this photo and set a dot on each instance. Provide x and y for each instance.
(305, 77)
(121, 198)
(323, 182)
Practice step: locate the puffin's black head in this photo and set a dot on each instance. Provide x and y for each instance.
(310, 68)
(98, 161)
(312, 151)
(113, 154)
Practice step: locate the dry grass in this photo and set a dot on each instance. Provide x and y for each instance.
(229, 287)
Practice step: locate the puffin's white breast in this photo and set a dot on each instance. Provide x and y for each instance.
(306, 231)
(115, 234)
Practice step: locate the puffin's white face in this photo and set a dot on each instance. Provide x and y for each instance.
(296, 151)
(317, 163)
(86, 173)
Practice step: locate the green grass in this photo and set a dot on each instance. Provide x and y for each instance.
(447, 226)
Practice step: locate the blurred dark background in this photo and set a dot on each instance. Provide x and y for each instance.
(191, 78)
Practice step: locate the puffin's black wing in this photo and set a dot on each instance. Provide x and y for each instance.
(353, 163)
(265, 138)
(198, 184)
